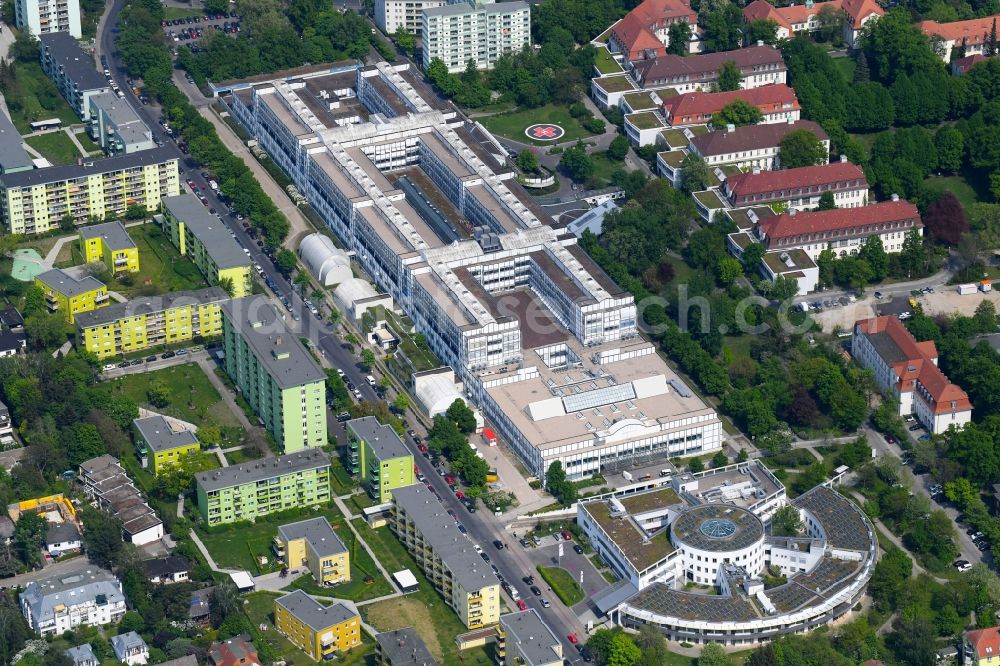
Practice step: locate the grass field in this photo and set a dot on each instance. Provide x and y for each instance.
(171, 13)
(34, 97)
(562, 583)
(512, 125)
(957, 185)
(87, 143)
(424, 610)
(56, 147)
(193, 398)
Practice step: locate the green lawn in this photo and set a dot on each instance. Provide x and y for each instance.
(957, 185)
(340, 479)
(562, 583)
(171, 13)
(845, 65)
(192, 396)
(32, 96)
(87, 143)
(56, 147)
(604, 166)
(161, 268)
(512, 125)
(424, 609)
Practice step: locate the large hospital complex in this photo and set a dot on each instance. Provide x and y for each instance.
(543, 341)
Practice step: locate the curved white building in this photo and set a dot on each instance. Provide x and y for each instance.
(328, 263)
(710, 530)
(354, 295)
(437, 392)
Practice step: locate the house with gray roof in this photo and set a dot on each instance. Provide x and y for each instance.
(82, 655)
(130, 648)
(526, 639)
(116, 126)
(88, 595)
(402, 647)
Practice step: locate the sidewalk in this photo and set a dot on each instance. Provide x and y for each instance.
(347, 514)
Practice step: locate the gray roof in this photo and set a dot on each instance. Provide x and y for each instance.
(67, 285)
(752, 137)
(90, 167)
(113, 234)
(534, 638)
(86, 583)
(158, 433)
(129, 125)
(123, 642)
(207, 228)
(187, 660)
(439, 530)
(266, 468)
(312, 612)
(382, 439)
(78, 66)
(404, 647)
(470, 8)
(82, 654)
(12, 153)
(150, 304)
(6, 527)
(276, 347)
(62, 533)
(317, 532)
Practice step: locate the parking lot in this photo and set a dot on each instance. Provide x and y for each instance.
(547, 555)
(192, 28)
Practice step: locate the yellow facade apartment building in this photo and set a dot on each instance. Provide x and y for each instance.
(33, 202)
(151, 321)
(70, 296)
(164, 442)
(314, 544)
(319, 631)
(110, 244)
(447, 556)
(198, 234)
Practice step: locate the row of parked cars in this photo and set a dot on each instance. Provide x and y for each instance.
(152, 357)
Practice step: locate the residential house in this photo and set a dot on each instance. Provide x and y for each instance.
(82, 655)
(758, 65)
(523, 639)
(6, 529)
(105, 482)
(6, 426)
(236, 651)
(805, 17)
(777, 103)
(13, 339)
(750, 147)
(168, 441)
(646, 29)
(166, 570)
(88, 596)
(62, 537)
(69, 295)
(319, 631)
(130, 648)
(200, 610)
(314, 544)
(800, 188)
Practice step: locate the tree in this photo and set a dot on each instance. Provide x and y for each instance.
(367, 358)
(618, 148)
(45, 330)
(102, 537)
(695, 465)
(729, 77)
(720, 24)
(801, 148)
(728, 270)
(622, 651)
(873, 252)
(404, 39)
(577, 163)
(695, 174)
(225, 601)
(462, 416)
(714, 654)
(285, 261)
(401, 403)
(761, 30)
(527, 161)
(159, 394)
(123, 410)
(826, 201)
(136, 212)
(557, 484)
(945, 219)
(786, 521)
(950, 144)
(738, 113)
(862, 74)
(29, 538)
(831, 22)
(752, 256)
(679, 38)
(652, 644)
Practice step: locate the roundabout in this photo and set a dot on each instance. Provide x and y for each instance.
(544, 132)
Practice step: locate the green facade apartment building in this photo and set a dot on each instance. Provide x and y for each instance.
(247, 491)
(276, 375)
(379, 457)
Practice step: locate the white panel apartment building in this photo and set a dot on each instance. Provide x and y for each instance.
(391, 14)
(41, 17)
(81, 597)
(478, 31)
(544, 341)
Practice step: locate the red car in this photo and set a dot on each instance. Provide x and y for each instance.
(571, 637)
(422, 448)
(459, 494)
(567, 535)
(521, 605)
(449, 480)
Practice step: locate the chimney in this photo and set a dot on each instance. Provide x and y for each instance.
(756, 171)
(730, 127)
(760, 42)
(791, 212)
(894, 197)
(843, 159)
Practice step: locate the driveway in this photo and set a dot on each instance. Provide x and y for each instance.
(547, 555)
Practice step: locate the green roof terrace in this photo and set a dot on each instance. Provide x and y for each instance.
(644, 121)
(616, 83)
(605, 63)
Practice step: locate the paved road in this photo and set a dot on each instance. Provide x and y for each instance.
(54, 569)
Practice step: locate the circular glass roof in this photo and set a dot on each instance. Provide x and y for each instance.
(718, 528)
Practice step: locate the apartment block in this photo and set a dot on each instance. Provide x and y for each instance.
(151, 321)
(276, 375)
(69, 295)
(319, 631)
(71, 69)
(446, 555)
(249, 490)
(390, 15)
(34, 202)
(908, 370)
(523, 639)
(312, 543)
(167, 441)
(478, 31)
(116, 126)
(204, 238)
(402, 647)
(86, 596)
(378, 456)
(13, 156)
(42, 17)
(109, 244)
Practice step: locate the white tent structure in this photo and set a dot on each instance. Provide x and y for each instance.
(436, 393)
(328, 263)
(355, 295)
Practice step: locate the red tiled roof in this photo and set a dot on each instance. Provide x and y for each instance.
(918, 365)
(972, 31)
(859, 10)
(810, 222)
(981, 639)
(699, 106)
(785, 16)
(661, 13)
(751, 137)
(963, 65)
(748, 184)
(635, 37)
(705, 67)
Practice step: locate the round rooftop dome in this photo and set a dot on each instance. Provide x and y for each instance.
(718, 528)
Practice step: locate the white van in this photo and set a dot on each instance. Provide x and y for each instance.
(370, 380)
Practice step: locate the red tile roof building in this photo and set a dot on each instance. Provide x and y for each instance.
(760, 66)
(751, 147)
(777, 102)
(644, 30)
(804, 17)
(236, 651)
(974, 32)
(961, 66)
(908, 369)
(799, 188)
(981, 647)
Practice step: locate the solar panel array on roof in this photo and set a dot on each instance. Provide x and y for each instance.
(598, 397)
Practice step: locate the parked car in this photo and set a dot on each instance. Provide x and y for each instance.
(498, 544)
(567, 535)
(529, 580)
(578, 549)
(545, 603)
(962, 565)
(521, 605)
(535, 591)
